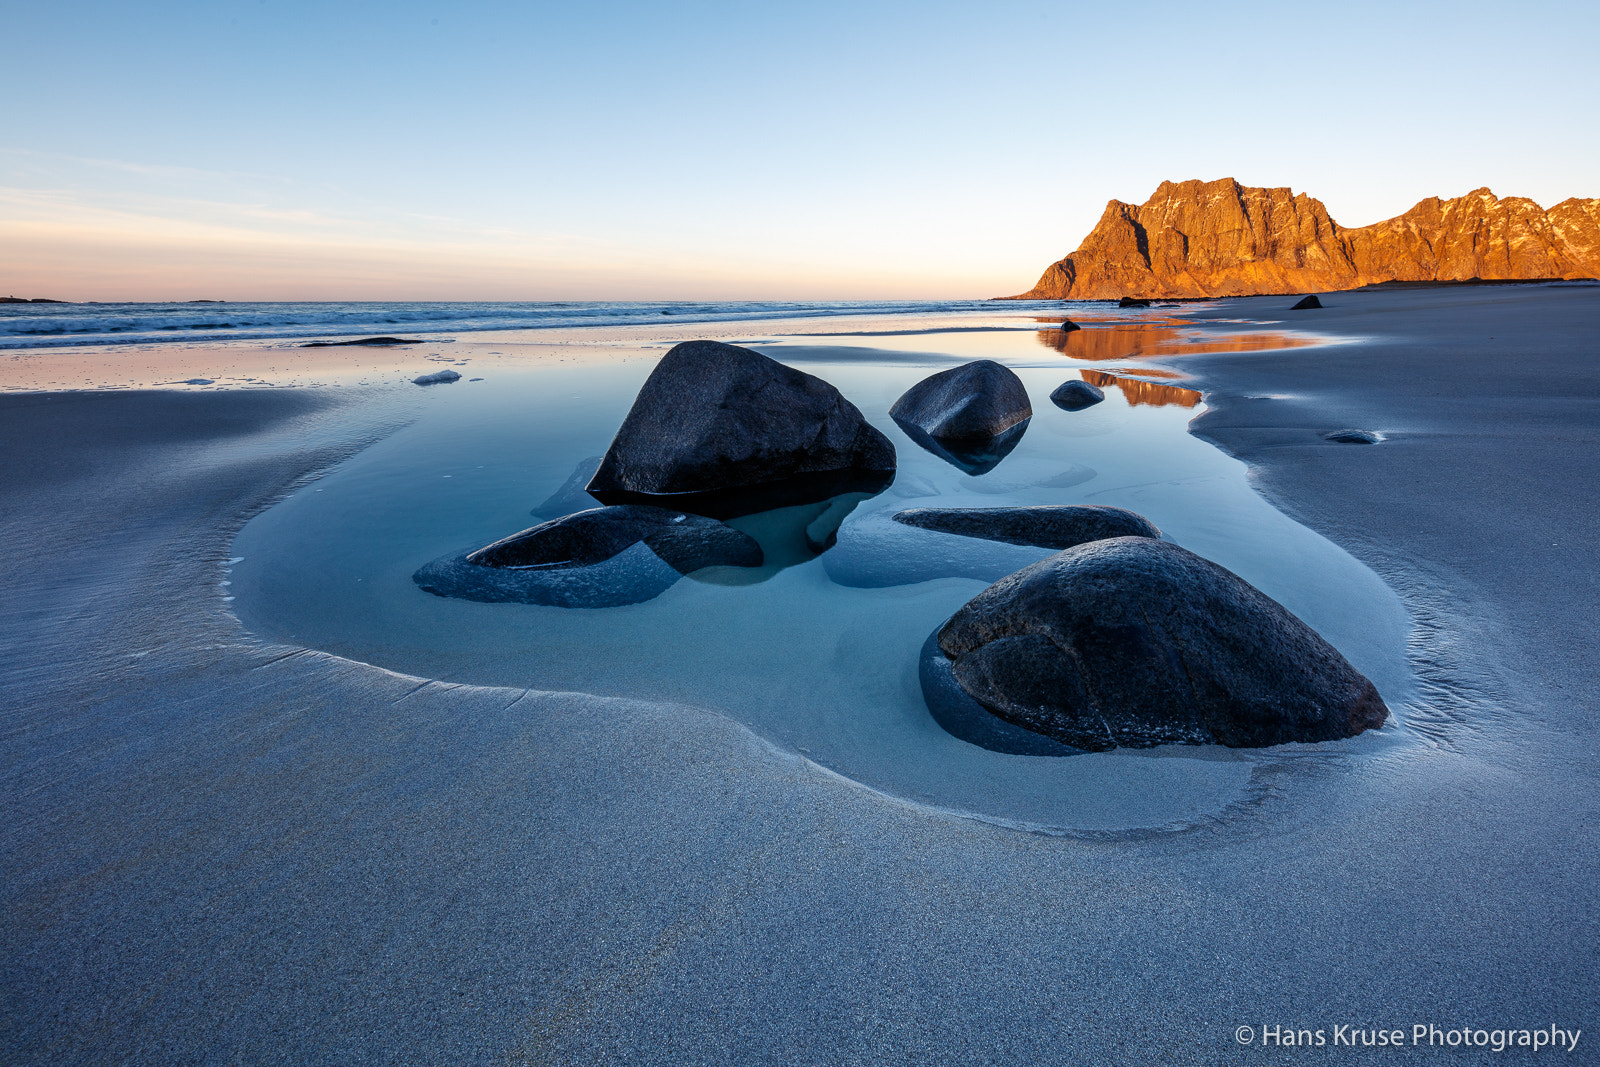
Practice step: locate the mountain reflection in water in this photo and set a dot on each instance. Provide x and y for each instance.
(1096, 341)
(1137, 392)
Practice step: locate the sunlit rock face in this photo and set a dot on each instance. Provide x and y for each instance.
(1205, 239)
(715, 424)
(1135, 642)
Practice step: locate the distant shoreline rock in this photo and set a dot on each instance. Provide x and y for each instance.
(1196, 240)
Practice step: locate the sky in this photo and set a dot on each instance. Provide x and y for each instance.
(274, 149)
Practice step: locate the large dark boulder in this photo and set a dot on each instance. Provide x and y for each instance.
(1137, 642)
(725, 431)
(1306, 304)
(598, 558)
(1053, 526)
(1133, 302)
(973, 402)
(1076, 395)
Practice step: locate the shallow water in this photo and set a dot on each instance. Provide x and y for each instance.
(805, 653)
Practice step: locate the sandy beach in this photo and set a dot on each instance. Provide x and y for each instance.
(226, 848)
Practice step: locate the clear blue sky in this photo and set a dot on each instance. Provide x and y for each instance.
(245, 149)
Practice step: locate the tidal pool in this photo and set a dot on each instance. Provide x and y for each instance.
(807, 652)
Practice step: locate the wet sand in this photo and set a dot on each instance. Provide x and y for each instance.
(225, 850)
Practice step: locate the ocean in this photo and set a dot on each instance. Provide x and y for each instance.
(51, 325)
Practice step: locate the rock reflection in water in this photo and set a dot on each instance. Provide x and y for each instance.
(1137, 392)
(788, 536)
(976, 457)
(1099, 342)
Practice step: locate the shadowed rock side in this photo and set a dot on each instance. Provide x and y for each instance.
(604, 557)
(1136, 642)
(1220, 238)
(724, 431)
(1053, 526)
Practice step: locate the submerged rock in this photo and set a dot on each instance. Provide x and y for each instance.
(572, 496)
(439, 377)
(973, 402)
(1306, 304)
(1353, 437)
(726, 431)
(1076, 395)
(1137, 642)
(873, 552)
(1053, 526)
(604, 557)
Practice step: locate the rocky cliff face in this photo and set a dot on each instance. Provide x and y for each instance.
(1196, 239)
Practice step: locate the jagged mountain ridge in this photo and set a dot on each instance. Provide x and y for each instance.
(1220, 238)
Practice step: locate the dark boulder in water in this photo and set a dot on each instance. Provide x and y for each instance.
(1053, 526)
(961, 716)
(1352, 437)
(1067, 326)
(604, 557)
(1076, 395)
(438, 377)
(725, 431)
(1132, 302)
(1137, 642)
(1306, 304)
(973, 402)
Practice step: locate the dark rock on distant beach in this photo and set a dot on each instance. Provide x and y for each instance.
(973, 402)
(366, 341)
(1076, 395)
(572, 496)
(603, 557)
(1053, 526)
(974, 457)
(725, 431)
(965, 718)
(437, 378)
(1132, 302)
(1307, 304)
(1137, 642)
(1352, 437)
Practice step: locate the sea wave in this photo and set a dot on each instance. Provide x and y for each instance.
(50, 325)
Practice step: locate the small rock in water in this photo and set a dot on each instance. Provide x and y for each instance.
(973, 402)
(1076, 395)
(1067, 326)
(437, 378)
(1137, 642)
(1132, 302)
(1053, 526)
(1353, 437)
(1306, 304)
(198, 381)
(366, 341)
(726, 431)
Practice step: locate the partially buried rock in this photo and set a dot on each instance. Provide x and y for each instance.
(725, 431)
(1137, 642)
(971, 402)
(440, 377)
(603, 557)
(1055, 526)
(1352, 437)
(1076, 395)
(1306, 304)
